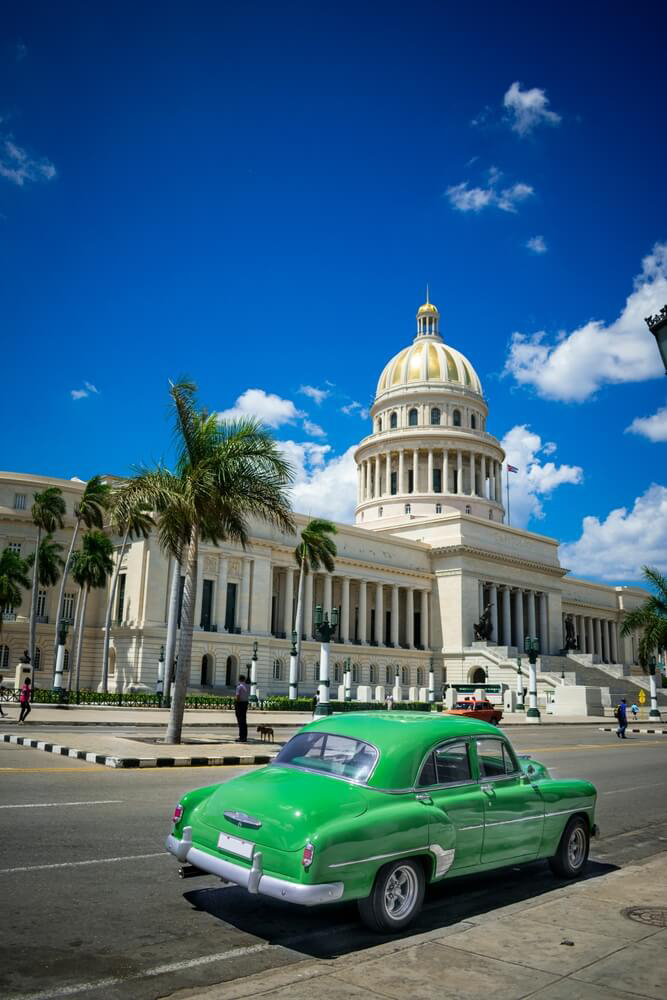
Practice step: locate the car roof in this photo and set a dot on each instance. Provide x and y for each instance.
(402, 738)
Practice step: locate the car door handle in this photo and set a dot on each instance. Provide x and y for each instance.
(425, 798)
(488, 789)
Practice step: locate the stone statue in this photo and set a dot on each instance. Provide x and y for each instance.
(25, 658)
(570, 640)
(483, 629)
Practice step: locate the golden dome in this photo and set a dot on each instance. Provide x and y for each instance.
(432, 361)
(428, 309)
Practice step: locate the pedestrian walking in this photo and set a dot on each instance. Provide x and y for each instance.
(241, 708)
(634, 710)
(24, 699)
(3, 714)
(622, 716)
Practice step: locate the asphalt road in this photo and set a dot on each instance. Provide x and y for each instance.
(92, 907)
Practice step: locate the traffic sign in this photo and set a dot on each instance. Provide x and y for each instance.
(642, 696)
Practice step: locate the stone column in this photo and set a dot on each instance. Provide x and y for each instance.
(328, 589)
(581, 641)
(589, 636)
(387, 481)
(604, 624)
(401, 469)
(394, 615)
(459, 472)
(507, 618)
(445, 471)
(481, 598)
(415, 471)
(597, 637)
(425, 620)
(499, 478)
(308, 607)
(473, 484)
(614, 642)
(362, 611)
(345, 610)
(245, 596)
(482, 461)
(288, 609)
(221, 596)
(530, 594)
(358, 484)
(410, 618)
(379, 615)
(518, 619)
(493, 601)
(378, 490)
(199, 592)
(544, 627)
(429, 471)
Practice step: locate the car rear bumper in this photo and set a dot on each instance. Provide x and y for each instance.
(253, 879)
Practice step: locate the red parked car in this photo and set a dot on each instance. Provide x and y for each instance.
(475, 708)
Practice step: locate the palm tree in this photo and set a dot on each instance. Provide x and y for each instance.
(13, 576)
(315, 549)
(49, 561)
(130, 520)
(90, 511)
(91, 568)
(226, 472)
(48, 512)
(650, 618)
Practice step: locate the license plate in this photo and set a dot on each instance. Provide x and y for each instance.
(235, 845)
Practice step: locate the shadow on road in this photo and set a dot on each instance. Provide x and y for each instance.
(331, 931)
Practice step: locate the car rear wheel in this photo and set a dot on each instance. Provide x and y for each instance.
(396, 898)
(570, 859)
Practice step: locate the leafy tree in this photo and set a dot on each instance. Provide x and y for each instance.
(650, 618)
(48, 513)
(13, 575)
(91, 568)
(226, 472)
(130, 520)
(89, 511)
(315, 549)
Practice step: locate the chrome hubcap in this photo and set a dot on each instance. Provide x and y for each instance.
(576, 848)
(400, 893)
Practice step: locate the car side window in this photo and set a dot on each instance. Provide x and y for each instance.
(447, 765)
(494, 759)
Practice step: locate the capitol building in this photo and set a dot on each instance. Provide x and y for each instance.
(429, 551)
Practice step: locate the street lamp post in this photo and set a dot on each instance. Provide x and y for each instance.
(431, 682)
(398, 690)
(520, 707)
(293, 670)
(654, 712)
(325, 624)
(658, 326)
(159, 687)
(531, 646)
(58, 685)
(253, 674)
(347, 679)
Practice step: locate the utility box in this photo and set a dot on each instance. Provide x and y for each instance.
(509, 700)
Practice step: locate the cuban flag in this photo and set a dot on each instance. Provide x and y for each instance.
(511, 468)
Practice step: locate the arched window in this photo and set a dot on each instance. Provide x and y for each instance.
(408, 508)
(405, 675)
(338, 673)
(38, 658)
(380, 511)
(4, 657)
(356, 673)
(473, 421)
(277, 670)
(456, 418)
(412, 418)
(389, 675)
(206, 670)
(435, 415)
(393, 420)
(379, 424)
(491, 515)
(230, 671)
(420, 676)
(373, 674)
(478, 676)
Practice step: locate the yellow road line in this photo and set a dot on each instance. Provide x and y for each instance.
(82, 770)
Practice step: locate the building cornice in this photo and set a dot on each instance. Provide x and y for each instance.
(502, 558)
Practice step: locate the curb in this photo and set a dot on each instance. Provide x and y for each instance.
(612, 729)
(232, 760)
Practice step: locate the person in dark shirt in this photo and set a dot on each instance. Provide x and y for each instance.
(241, 708)
(622, 716)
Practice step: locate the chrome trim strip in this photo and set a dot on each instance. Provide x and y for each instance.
(253, 879)
(522, 819)
(566, 812)
(378, 857)
(478, 826)
(443, 859)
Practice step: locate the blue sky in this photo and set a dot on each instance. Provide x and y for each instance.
(256, 195)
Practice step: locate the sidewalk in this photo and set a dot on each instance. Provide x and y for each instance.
(602, 939)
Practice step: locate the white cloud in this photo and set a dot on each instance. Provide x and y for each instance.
(17, 166)
(576, 364)
(313, 429)
(91, 388)
(324, 485)
(354, 407)
(654, 428)
(482, 117)
(536, 244)
(618, 547)
(528, 108)
(271, 409)
(466, 199)
(314, 393)
(78, 393)
(536, 480)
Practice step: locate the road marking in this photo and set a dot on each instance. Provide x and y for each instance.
(76, 864)
(49, 805)
(158, 970)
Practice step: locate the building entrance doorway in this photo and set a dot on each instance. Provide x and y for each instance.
(230, 671)
(206, 670)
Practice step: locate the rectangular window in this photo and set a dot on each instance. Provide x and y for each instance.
(41, 603)
(68, 607)
(15, 547)
(206, 604)
(408, 508)
(121, 597)
(373, 623)
(19, 501)
(411, 481)
(437, 480)
(438, 508)
(230, 613)
(394, 483)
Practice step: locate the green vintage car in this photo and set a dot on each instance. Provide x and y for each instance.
(373, 805)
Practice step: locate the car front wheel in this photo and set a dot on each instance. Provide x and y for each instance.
(570, 859)
(396, 898)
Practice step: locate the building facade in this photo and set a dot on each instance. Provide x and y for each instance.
(428, 553)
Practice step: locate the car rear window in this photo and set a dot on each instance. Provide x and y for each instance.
(329, 753)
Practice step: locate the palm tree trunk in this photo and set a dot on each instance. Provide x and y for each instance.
(185, 649)
(79, 638)
(33, 601)
(298, 624)
(172, 627)
(74, 638)
(107, 620)
(61, 595)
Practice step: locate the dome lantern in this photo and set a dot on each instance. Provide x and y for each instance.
(428, 319)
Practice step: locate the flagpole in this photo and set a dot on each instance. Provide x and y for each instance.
(507, 476)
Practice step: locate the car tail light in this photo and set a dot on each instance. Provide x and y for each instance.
(308, 855)
(178, 813)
